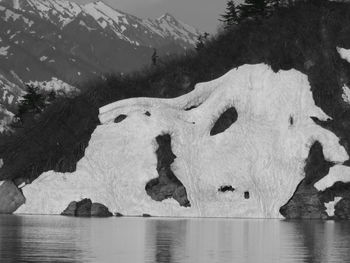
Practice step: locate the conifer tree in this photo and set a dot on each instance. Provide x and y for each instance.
(253, 9)
(231, 16)
(32, 103)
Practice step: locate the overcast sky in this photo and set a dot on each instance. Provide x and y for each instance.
(202, 14)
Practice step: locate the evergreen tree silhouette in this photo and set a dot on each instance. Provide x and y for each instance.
(253, 9)
(32, 103)
(231, 15)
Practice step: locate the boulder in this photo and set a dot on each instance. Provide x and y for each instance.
(146, 215)
(70, 210)
(99, 210)
(85, 208)
(11, 197)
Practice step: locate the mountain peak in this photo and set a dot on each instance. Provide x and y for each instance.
(167, 16)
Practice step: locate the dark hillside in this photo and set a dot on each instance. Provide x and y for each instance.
(303, 36)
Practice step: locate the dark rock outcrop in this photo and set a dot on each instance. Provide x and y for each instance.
(85, 208)
(146, 215)
(342, 209)
(70, 210)
(307, 202)
(11, 198)
(167, 185)
(99, 210)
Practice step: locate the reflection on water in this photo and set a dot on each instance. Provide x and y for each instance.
(63, 239)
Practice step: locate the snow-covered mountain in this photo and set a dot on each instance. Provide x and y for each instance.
(45, 39)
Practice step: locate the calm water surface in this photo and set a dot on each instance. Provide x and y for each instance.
(133, 240)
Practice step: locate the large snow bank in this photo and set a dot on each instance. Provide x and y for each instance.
(263, 152)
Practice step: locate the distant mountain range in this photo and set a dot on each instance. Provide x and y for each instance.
(48, 40)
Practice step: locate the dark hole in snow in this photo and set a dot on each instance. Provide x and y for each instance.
(225, 121)
(147, 113)
(120, 118)
(191, 107)
(291, 120)
(226, 188)
(246, 195)
(166, 185)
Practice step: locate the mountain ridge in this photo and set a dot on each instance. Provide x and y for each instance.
(43, 40)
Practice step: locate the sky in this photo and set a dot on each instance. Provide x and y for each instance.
(201, 14)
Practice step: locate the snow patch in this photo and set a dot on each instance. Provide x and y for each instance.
(43, 58)
(330, 206)
(56, 85)
(344, 53)
(4, 51)
(337, 173)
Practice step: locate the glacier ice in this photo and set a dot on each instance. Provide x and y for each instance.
(263, 152)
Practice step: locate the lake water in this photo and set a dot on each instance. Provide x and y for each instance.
(133, 240)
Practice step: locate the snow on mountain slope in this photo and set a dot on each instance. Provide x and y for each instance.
(261, 155)
(56, 85)
(41, 40)
(126, 27)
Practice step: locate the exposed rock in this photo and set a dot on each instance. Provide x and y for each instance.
(118, 214)
(10, 197)
(146, 215)
(85, 208)
(342, 209)
(305, 204)
(246, 195)
(99, 210)
(307, 201)
(70, 210)
(166, 185)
